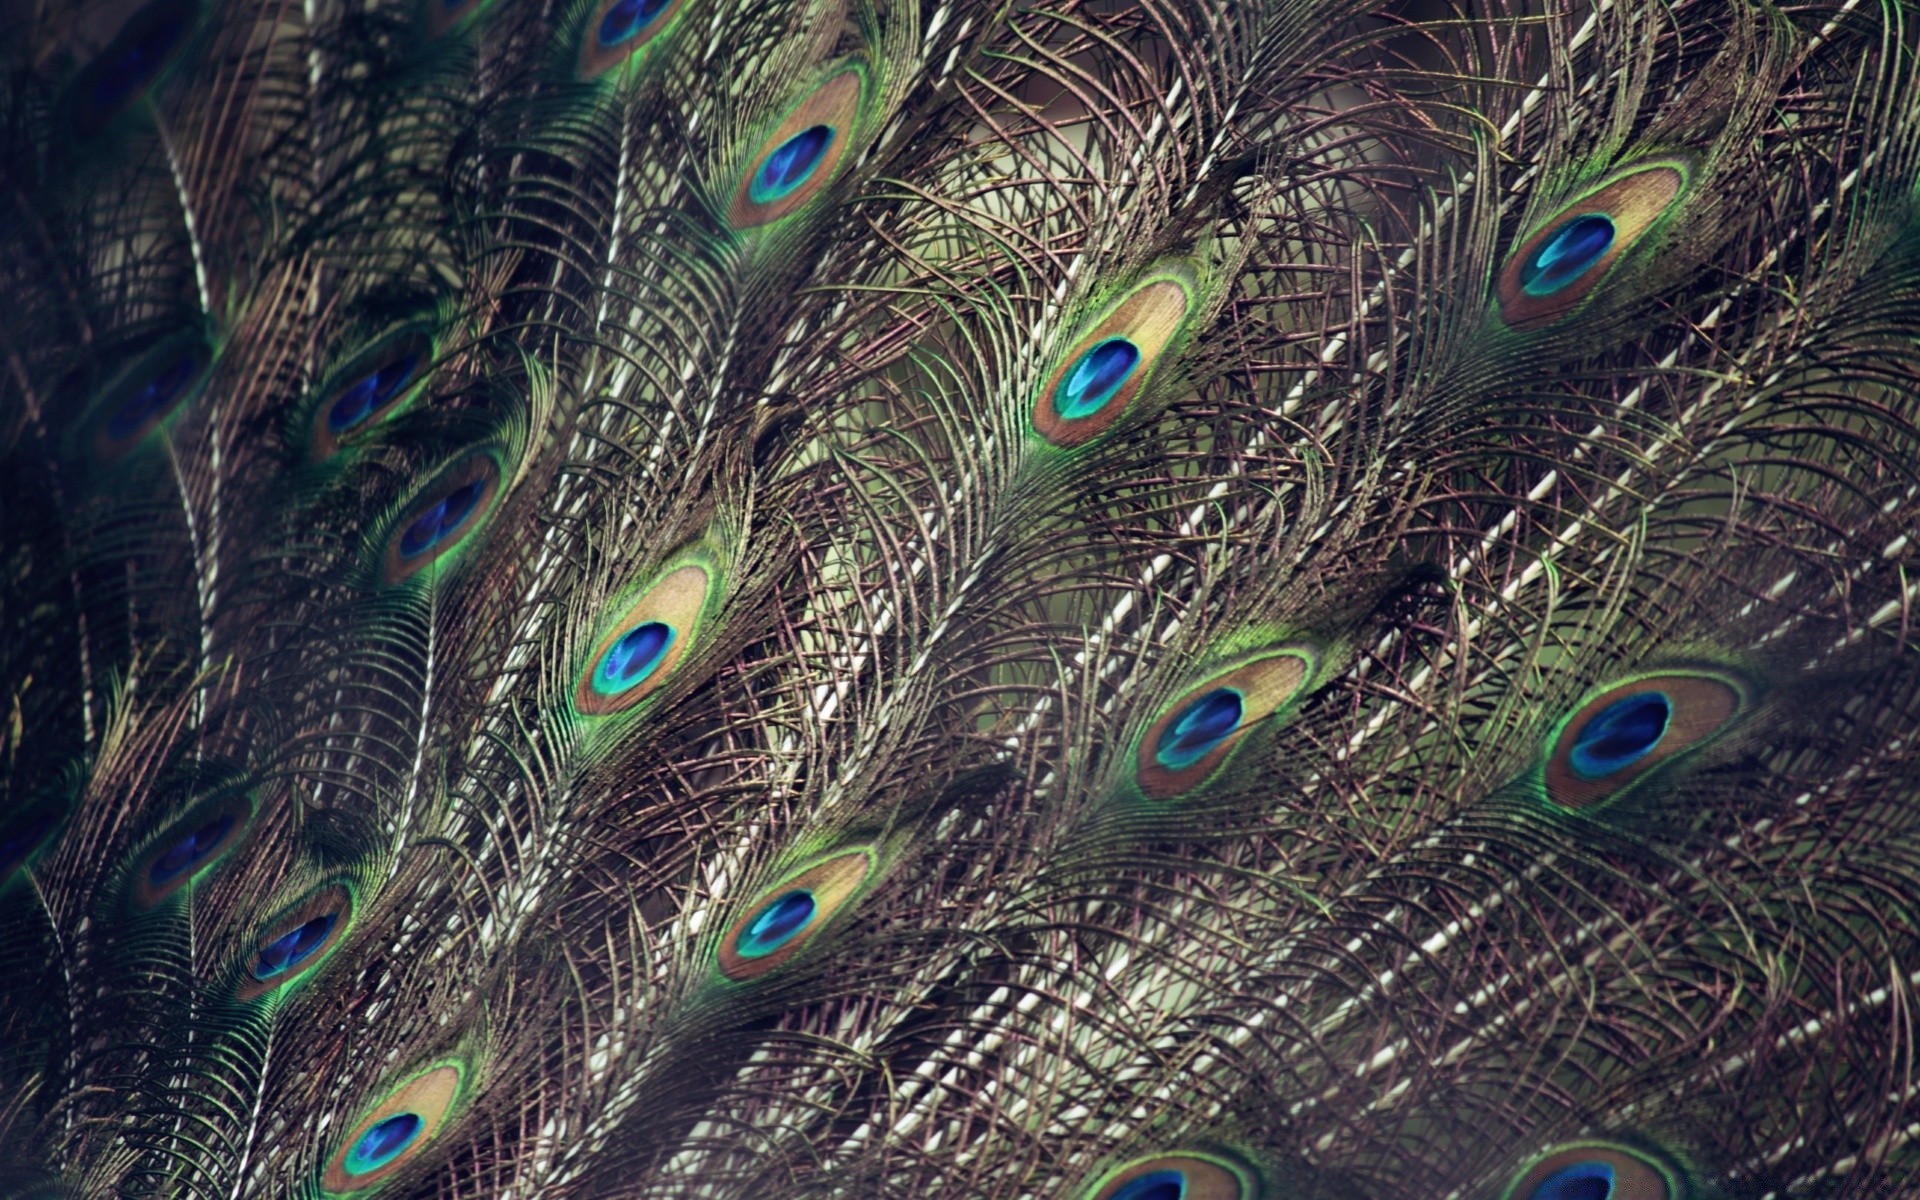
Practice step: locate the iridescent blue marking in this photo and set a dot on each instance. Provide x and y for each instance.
(190, 851)
(791, 162)
(138, 62)
(1620, 735)
(1581, 1181)
(634, 657)
(1200, 727)
(18, 846)
(159, 394)
(1095, 378)
(383, 1143)
(1567, 254)
(432, 527)
(370, 393)
(625, 20)
(294, 947)
(1155, 1185)
(776, 925)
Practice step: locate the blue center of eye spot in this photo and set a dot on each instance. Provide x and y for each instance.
(1567, 254)
(791, 162)
(1581, 1181)
(1155, 1185)
(433, 526)
(776, 924)
(186, 853)
(634, 657)
(371, 392)
(16, 846)
(1200, 727)
(1620, 735)
(156, 397)
(294, 947)
(138, 61)
(626, 19)
(383, 1143)
(1094, 379)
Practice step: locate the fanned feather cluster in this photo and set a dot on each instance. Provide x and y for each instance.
(957, 600)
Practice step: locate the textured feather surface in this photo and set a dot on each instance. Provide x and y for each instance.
(1170, 600)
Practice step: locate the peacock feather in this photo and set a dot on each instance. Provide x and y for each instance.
(947, 600)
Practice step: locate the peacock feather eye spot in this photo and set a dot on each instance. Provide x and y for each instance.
(133, 65)
(1567, 253)
(1194, 736)
(1582, 1181)
(370, 393)
(298, 940)
(1200, 727)
(442, 516)
(798, 159)
(396, 1130)
(191, 850)
(634, 657)
(144, 395)
(646, 642)
(370, 387)
(15, 846)
(1093, 380)
(1620, 735)
(626, 19)
(1193, 1175)
(791, 164)
(382, 1143)
(154, 398)
(293, 947)
(442, 519)
(620, 33)
(1158, 1185)
(1099, 376)
(18, 844)
(777, 924)
(1558, 266)
(1599, 1170)
(1629, 729)
(188, 846)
